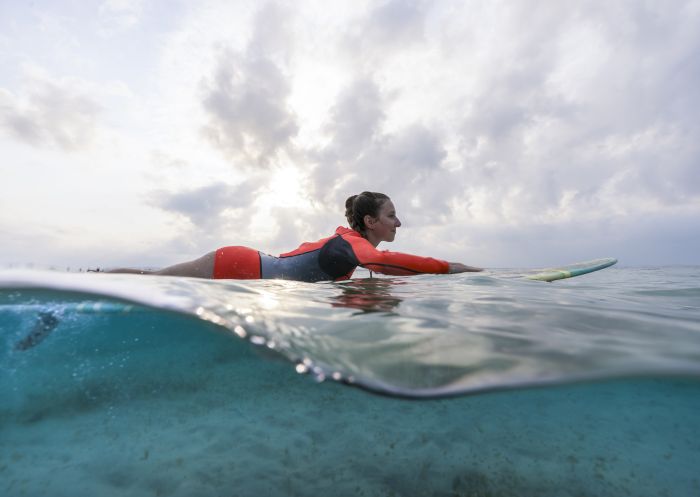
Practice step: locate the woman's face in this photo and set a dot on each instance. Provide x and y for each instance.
(384, 225)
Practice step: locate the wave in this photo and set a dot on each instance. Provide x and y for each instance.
(419, 337)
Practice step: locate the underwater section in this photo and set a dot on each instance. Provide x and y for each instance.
(148, 386)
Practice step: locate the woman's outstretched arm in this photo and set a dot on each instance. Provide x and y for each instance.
(458, 267)
(126, 270)
(198, 268)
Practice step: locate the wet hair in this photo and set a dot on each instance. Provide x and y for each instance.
(358, 206)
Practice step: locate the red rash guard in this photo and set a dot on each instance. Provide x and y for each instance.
(332, 258)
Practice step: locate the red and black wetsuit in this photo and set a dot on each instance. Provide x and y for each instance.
(334, 258)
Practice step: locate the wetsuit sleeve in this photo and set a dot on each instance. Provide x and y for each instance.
(396, 263)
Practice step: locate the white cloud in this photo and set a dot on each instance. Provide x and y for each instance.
(356, 119)
(246, 101)
(206, 207)
(391, 25)
(50, 113)
(119, 15)
(247, 96)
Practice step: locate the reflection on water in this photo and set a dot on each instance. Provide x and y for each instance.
(368, 295)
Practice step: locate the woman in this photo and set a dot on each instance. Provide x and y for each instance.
(372, 218)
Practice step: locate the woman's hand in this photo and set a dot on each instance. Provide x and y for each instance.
(458, 267)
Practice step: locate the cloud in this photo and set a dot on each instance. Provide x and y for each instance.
(354, 125)
(397, 21)
(361, 155)
(390, 26)
(246, 98)
(356, 118)
(400, 164)
(209, 208)
(293, 229)
(588, 115)
(50, 114)
(119, 15)
(246, 105)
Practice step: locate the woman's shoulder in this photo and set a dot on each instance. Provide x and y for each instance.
(343, 231)
(351, 236)
(311, 246)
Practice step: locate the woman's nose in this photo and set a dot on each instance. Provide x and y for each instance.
(398, 222)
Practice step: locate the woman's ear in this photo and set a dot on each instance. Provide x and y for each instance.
(369, 221)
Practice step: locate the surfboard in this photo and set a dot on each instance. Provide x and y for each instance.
(577, 269)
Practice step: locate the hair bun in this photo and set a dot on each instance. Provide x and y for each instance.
(349, 214)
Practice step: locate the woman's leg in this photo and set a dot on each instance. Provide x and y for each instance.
(198, 268)
(123, 270)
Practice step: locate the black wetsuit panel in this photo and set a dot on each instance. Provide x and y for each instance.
(337, 258)
(332, 261)
(302, 267)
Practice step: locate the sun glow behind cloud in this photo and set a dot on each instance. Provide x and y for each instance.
(285, 190)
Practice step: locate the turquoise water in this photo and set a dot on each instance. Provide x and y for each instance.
(474, 385)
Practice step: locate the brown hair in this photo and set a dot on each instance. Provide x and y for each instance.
(358, 206)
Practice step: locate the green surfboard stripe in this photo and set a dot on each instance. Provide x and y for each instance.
(572, 270)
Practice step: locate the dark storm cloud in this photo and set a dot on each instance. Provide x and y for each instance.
(246, 98)
(50, 114)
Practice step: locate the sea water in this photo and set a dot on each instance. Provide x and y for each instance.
(464, 385)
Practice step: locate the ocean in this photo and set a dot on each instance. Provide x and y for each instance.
(435, 385)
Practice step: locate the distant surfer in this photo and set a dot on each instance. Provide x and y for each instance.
(372, 219)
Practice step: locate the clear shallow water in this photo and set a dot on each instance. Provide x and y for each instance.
(166, 398)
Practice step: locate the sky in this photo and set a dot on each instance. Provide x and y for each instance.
(507, 133)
